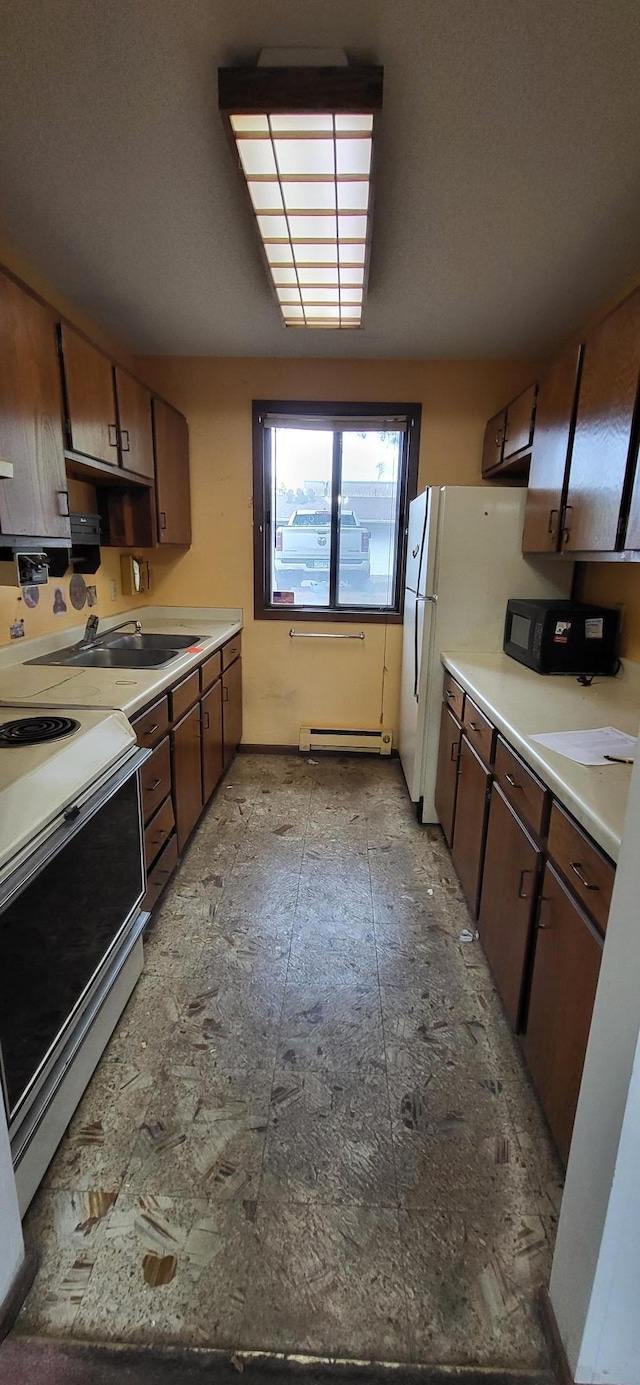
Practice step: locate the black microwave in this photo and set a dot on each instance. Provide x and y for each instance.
(562, 636)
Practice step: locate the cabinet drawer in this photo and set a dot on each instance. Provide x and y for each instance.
(210, 670)
(524, 792)
(153, 724)
(157, 831)
(586, 870)
(479, 730)
(155, 779)
(184, 695)
(231, 651)
(161, 873)
(453, 695)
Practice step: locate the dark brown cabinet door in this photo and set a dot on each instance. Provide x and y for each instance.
(232, 710)
(509, 885)
(470, 822)
(604, 425)
(447, 775)
(493, 440)
(91, 403)
(212, 745)
(563, 988)
(555, 412)
(34, 501)
(187, 773)
(135, 431)
(519, 430)
(171, 438)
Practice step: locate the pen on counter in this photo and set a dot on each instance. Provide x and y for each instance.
(618, 760)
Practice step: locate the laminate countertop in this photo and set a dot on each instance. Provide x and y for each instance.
(127, 689)
(523, 704)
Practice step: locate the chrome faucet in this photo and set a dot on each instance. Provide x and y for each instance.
(91, 631)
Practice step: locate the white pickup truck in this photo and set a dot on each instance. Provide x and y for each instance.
(302, 547)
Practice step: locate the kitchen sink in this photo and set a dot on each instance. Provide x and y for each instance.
(174, 643)
(123, 651)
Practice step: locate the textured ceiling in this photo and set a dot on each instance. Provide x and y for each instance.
(508, 190)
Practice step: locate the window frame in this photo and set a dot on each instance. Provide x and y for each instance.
(262, 519)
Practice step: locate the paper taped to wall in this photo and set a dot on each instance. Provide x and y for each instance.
(602, 746)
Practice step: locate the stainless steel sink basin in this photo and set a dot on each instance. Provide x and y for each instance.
(108, 658)
(123, 651)
(171, 642)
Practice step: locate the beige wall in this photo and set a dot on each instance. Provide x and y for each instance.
(286, 682)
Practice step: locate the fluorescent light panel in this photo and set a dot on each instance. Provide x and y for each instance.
(309, 179)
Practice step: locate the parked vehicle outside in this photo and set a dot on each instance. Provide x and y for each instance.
(303, 547)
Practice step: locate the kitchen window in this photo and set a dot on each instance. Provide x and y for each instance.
(332, 488)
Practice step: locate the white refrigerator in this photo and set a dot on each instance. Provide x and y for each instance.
(464, 561)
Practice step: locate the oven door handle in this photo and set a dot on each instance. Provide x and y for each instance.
(71, 821)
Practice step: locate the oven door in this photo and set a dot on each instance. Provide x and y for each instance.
(63, 914)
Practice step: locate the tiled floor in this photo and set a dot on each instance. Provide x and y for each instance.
(311, 1129)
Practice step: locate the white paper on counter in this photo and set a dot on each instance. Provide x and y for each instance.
(590, 747)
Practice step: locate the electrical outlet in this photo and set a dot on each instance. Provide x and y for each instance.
(113, 591)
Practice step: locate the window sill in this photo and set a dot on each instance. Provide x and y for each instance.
(353, 616)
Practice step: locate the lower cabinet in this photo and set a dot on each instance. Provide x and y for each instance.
(470, 822)
(447, 775)
(231, 710)
(509, 888)
(563, 986)
(212, 744)
(187, 773)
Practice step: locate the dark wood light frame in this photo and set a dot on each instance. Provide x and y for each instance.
(301, 90)
(262, 517)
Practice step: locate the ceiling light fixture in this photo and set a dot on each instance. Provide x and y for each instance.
(303, 138)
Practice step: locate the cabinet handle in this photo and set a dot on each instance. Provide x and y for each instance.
(521, 894)
(566, 528)
(510, 780)
(473, 726)
(576, 867)
(205, 720)
(163, 519)
(155, 785)
(225, 694)
(449, 693)
(454, 750)
(150, 729)
(113, 435)
(124, 433)
(63, 503)
(552, 528)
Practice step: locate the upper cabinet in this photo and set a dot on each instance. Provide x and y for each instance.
(508, 438)
(555, 414)
(173, 495)
(91, 406)
(134, 424)
(34, 502)
(594, 514)
(584, 490)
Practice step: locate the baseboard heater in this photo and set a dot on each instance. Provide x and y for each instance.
(341, 738)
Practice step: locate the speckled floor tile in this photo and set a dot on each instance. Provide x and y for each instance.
(471, 1286)
(203, 1132)
(331, 1029)
(170, 1270)
(312, 1129)
(327, 1280)
(329, 1139)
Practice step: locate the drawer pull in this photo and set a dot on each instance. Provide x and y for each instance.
(455, 750)
(513, 782)
(449, 693)
(150, 729)
(156, 784)
(473, 726)
(576, 867)
(521, 894)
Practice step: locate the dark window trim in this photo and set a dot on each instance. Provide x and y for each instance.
(262, 507)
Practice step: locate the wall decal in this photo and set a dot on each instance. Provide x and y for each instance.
(16, 631)
(31, 597)
(77, 591)
(92, 594)
(59, 603)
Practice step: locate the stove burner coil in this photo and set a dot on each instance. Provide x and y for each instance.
(34, 730)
